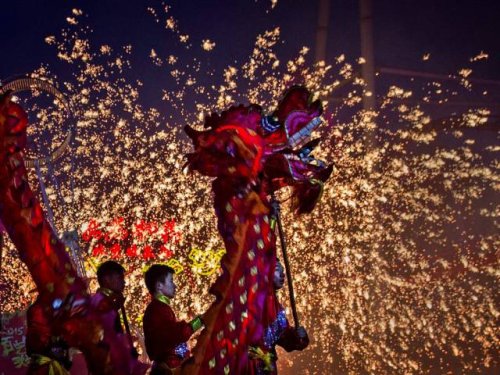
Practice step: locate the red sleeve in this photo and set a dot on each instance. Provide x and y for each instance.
(290, 340)
(162, 332)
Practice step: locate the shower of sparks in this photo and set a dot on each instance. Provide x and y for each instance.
(208, 45)
(480, 56)
(396, 269)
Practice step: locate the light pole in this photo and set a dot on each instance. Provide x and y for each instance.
(322, 29)
(368, 68)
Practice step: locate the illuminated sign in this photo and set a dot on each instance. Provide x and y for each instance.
(146, 239)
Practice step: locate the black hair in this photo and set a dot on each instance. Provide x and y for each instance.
(109, 268)
(155, 273)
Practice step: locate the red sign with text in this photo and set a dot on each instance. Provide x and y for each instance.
(146, 239)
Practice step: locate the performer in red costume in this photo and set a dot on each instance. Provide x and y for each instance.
(165, 337)
(49, 353)
(108, 301)
(109, 298)
(251, 155)
(62, 294)
(263, 355)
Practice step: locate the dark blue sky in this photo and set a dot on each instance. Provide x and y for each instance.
(452, 31)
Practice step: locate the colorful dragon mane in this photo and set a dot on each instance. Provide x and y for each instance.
(251, 156)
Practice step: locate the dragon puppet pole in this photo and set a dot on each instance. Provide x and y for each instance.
(127, 327)
(1, 258)
(276, 208)
(125, 320)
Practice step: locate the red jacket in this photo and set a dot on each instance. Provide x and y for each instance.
(164, 336)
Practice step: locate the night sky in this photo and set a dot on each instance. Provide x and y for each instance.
(451, 31)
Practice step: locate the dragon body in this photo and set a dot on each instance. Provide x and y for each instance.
(62, 294)
(251, 155)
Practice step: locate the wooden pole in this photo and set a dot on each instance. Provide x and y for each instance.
(125, 320)
(1, 264)
(276, 208)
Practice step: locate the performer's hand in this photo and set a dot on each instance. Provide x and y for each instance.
(204, 317)
(301, 332)
(303, 338)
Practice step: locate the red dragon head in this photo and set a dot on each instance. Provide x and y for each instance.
(243, 143)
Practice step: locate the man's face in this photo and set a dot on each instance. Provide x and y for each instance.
(115, 282)
(167, 286)
(279, 276)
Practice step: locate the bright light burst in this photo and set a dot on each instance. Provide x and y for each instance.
(396, 269)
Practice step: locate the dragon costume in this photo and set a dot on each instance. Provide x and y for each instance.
(251, 156)
(62, 294)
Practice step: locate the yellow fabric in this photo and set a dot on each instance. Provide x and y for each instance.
(55, 368)
(162, 298)
(265, 357)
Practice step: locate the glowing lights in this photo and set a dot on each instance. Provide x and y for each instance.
(400, 265)
(206, 262)
(207, 45)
